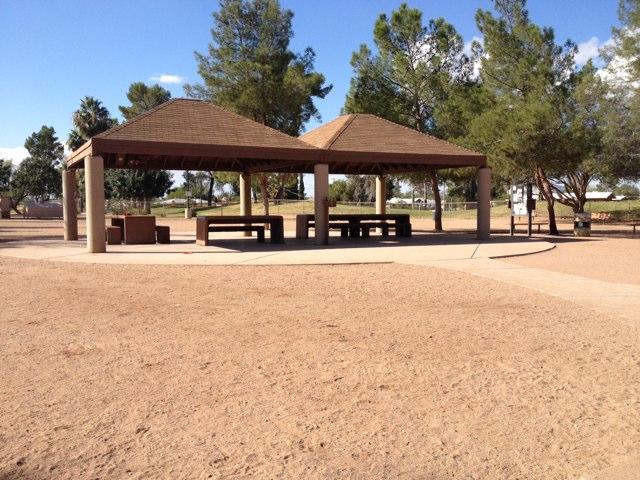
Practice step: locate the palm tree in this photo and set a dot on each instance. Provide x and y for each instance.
(90, 119)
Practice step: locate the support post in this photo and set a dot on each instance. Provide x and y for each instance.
(94, 188)
(381, 197)
(69, 209)
(245, 197)
(381, 194)
(529, 211)
(484, 203)
(320, 200)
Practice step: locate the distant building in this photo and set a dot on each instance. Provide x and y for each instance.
(591, 196)
(600, 196)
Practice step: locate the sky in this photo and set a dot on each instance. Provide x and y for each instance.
(53, 53)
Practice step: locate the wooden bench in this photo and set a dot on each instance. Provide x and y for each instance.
(259, 229)
(240, 223)
(353, 222)
(113, 235)
(163, 234)
(525, 223)
(366, 228)
(634, 225)
(601, 216)
(342, 226)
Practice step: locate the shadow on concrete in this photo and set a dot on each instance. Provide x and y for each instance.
(251, 245)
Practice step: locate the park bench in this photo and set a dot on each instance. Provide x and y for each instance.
(522, 221)
(342, 226)
(356, 225)
(601, 216)
(259, 229)
(240, 223)
(113, 235)
(163, 234)
(634, 225)
(366, 228)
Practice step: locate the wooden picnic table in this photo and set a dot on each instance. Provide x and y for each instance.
(136, 229)
(240, 223)
(356, 223)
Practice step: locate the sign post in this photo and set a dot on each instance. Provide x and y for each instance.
(529, 209)
(522, 202)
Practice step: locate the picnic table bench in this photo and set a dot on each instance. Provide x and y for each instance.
(606, 217)
(355, 225)
(519, 222)
(240, 223)
(136, 229)
(601, 216)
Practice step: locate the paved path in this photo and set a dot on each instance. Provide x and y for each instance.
(616, 299)
(236, 250)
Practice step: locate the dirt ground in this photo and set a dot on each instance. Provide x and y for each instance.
(615, 260)
(361, 371)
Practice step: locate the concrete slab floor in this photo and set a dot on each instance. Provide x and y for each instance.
(235, 249)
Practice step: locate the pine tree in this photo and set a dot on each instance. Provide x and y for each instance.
(413, 73)
(250, 69)
(527, 75)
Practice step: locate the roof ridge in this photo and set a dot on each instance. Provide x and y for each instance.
(245, 118)
(119, 127)
(426, 134)
(340, 131)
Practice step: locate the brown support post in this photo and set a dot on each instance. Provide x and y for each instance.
(69, 209)
(245, 197)
(321, 201)
(484, 203)
(94, 187)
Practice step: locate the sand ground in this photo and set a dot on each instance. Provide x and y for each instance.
(361, 371)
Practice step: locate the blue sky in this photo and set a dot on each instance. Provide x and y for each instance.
(52, 53)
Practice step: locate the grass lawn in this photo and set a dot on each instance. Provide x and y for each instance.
(306, 206)
(623, 210)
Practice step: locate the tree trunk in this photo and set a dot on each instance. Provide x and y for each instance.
(301, 187)
(545, 187)
(14, 206)
(210, 193)
(437, 214)
(265, 193)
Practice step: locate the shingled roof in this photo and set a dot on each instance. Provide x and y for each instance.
(386, 146)
(190, 134)
(185, 134)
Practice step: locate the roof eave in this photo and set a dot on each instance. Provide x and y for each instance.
(429, 160)
(77, 156)
(111, 146)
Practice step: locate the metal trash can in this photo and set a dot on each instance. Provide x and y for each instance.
(582, 224)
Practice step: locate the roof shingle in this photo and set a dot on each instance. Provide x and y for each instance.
(369, 133)
(199, 122)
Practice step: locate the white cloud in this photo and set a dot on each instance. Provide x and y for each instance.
(588, 50)
(168, 79)
(616, 73)
(15, 154)
(467, 45)
(477, 64)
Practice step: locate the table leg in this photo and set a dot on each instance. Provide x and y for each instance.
(354, 229)
(277, 231)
